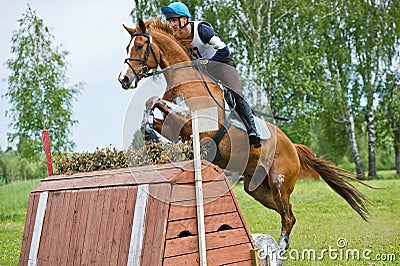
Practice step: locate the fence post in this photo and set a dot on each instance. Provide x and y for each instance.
(46, 147)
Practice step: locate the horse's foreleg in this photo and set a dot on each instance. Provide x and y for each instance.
(150, 124)
(162, 107)
(174, 126)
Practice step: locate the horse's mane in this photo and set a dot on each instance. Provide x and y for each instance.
(157, 24)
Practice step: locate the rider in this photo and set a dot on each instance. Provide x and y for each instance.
(207, 45)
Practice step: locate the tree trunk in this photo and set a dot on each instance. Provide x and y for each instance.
(397, 149)
(371, 144)
(353, 143)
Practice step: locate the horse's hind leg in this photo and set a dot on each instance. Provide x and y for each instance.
(274, 193)
(281, 194)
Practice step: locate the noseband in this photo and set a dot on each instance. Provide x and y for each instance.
(145, 69)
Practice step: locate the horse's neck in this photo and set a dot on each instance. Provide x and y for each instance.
(182, 79)
(172, 52)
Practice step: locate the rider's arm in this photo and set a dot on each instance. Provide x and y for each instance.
(207, 35)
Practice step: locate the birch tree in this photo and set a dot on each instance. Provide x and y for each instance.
(375, 27)
(38, 90)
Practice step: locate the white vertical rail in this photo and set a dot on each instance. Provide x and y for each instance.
(138, 226)
(37, 230)
(199, 190)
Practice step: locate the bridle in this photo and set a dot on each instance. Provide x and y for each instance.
(144, 71)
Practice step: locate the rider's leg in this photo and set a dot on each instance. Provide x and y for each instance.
(227, 74)
(245, 112)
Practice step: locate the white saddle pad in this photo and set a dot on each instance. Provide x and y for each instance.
(261, 125)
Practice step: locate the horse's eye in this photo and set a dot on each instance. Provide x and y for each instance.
(139, 47)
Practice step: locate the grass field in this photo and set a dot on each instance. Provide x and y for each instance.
(322, 218)
(13, 204)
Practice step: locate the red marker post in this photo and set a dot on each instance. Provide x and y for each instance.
(46, 148)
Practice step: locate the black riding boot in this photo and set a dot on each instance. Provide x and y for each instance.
(244, 111)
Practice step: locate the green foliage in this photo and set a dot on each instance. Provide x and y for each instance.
(101, 159)
(38, 89)
(388, 115)
(138, 140)
(13, 167)
(111, 158)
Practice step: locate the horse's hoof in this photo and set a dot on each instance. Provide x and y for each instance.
(284, 242)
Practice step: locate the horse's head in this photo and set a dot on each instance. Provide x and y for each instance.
(142, 55)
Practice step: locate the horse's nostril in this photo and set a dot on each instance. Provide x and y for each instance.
(125, 79)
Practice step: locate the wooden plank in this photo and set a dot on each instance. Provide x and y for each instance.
(221, 256)
(92, 228)
(212, 224)
(130, 215)
(211, 190)
(54, 226)
(240, 214)
(178, 172)
(137, 169)
(186, 245)
(116, 198)
(241, 263)
(113, 179)
(65, 243)
(186, 210)
(106, 212)
(118, 228)
(88, 233)
(45, 241)
(80, 238)
(100, 207)
(62, 235)
(210, 173)
(156, 224)
(38, 229)
(28, 228)
(77, 225)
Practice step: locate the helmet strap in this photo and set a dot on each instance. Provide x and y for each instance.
(180, 25)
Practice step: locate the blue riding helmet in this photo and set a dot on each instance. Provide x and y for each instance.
(175, 10)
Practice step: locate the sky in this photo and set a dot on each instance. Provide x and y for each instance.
(91, 31)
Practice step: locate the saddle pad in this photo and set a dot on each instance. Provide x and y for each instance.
(261, 125)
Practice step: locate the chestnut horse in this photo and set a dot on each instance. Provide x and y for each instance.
(269, 172)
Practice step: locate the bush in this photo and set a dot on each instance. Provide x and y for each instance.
(111, 158)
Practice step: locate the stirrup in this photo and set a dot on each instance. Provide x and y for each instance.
(254, 140)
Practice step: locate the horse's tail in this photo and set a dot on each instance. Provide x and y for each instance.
(335, 177)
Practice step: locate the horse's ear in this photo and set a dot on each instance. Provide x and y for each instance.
(142, 26)
(130, 30)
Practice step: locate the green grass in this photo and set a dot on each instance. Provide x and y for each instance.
(386, 174)
(13, 205)
(322, 218)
